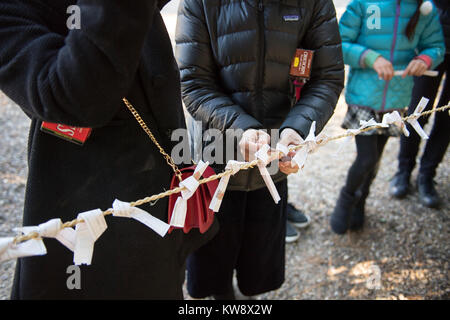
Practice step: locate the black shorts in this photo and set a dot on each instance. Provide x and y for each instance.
(251, 240)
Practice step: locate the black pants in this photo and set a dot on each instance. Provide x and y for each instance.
(363, 170)
(251, 240)
(436, 145)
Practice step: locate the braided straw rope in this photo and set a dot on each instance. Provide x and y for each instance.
(246, 166)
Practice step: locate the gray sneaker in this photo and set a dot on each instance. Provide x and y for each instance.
(291, 233)
(296, 217)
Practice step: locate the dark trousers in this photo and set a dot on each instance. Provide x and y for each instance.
(436, 145)
(251, 240)
(364, 169)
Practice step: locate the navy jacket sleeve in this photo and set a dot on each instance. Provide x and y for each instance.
(77, 78)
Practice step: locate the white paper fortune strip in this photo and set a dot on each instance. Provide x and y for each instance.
(190, 186)
(9, 250)
(216, 201)
(416, 115)
(123, 209)
(429, 73)
(309, 145)
(52, 229)
(283, 149)
(395, 118)
(87, 233)
(363, 125)
(262, 154)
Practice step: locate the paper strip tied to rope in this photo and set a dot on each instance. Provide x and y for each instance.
(53, 229)
(216, 202)
(11, 250)
(189, 185)
(396, 119)
(125, 210)
(283, 149)
(416, 115)
(263, 155)
(309, 145)
(87, 233)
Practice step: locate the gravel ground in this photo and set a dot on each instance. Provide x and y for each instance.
(403, 252)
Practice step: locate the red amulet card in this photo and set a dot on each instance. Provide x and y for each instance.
(73, 134)
(301, 63)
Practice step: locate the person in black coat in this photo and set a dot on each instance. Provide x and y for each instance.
(439, 139)
(234, 58)
(78, 77)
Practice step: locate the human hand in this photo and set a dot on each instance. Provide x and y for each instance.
(252, 140)
(384, 68)
(416, 67)
(289, 137)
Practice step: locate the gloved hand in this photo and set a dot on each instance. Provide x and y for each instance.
(252, 140)
(289, 137)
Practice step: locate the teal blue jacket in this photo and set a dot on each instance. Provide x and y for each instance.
(370, 28)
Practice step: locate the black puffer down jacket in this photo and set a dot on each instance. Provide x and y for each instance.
(235, 55)
(444, 14)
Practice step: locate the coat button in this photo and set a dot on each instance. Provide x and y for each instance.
(159, 80)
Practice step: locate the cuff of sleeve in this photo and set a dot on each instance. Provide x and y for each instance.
(425, 59)
(369, 56)
(245, 121)
(299, 126)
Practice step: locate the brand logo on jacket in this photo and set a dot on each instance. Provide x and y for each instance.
(291, 17)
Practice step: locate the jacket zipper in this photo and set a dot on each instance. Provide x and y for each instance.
(394, 40)
(261, 57)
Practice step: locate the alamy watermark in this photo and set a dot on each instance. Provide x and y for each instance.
(214, 146)
(74, 280)
(74, 20)
(374, 17)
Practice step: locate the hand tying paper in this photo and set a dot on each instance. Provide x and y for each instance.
(288, 138)
(252, 140)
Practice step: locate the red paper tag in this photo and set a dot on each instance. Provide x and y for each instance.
(73, 134)
(301, 63)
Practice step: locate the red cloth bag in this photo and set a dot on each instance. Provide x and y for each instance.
(198, 213)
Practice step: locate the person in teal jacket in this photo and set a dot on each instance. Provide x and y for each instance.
(378, 38)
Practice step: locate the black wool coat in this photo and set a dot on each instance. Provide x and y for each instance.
(235, 57)
(78, 77)
(444, 15)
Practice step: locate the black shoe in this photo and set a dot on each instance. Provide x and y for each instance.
(296, 217)
(399, 186)
(291, 233)
(340, 218)
(428, 195)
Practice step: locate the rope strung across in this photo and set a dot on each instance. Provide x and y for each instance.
(275, 154)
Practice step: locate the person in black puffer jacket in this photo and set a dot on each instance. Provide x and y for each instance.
(234, 58)
(439, 139)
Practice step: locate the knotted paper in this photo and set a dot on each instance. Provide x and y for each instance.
(52, 229)
(216, 201)
(87, 233)
(416, 115)
(262, 154)
(124, 209)
(190, 186)
(309, 145)
(9, 250)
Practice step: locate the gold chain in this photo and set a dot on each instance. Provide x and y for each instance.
(141, 122)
